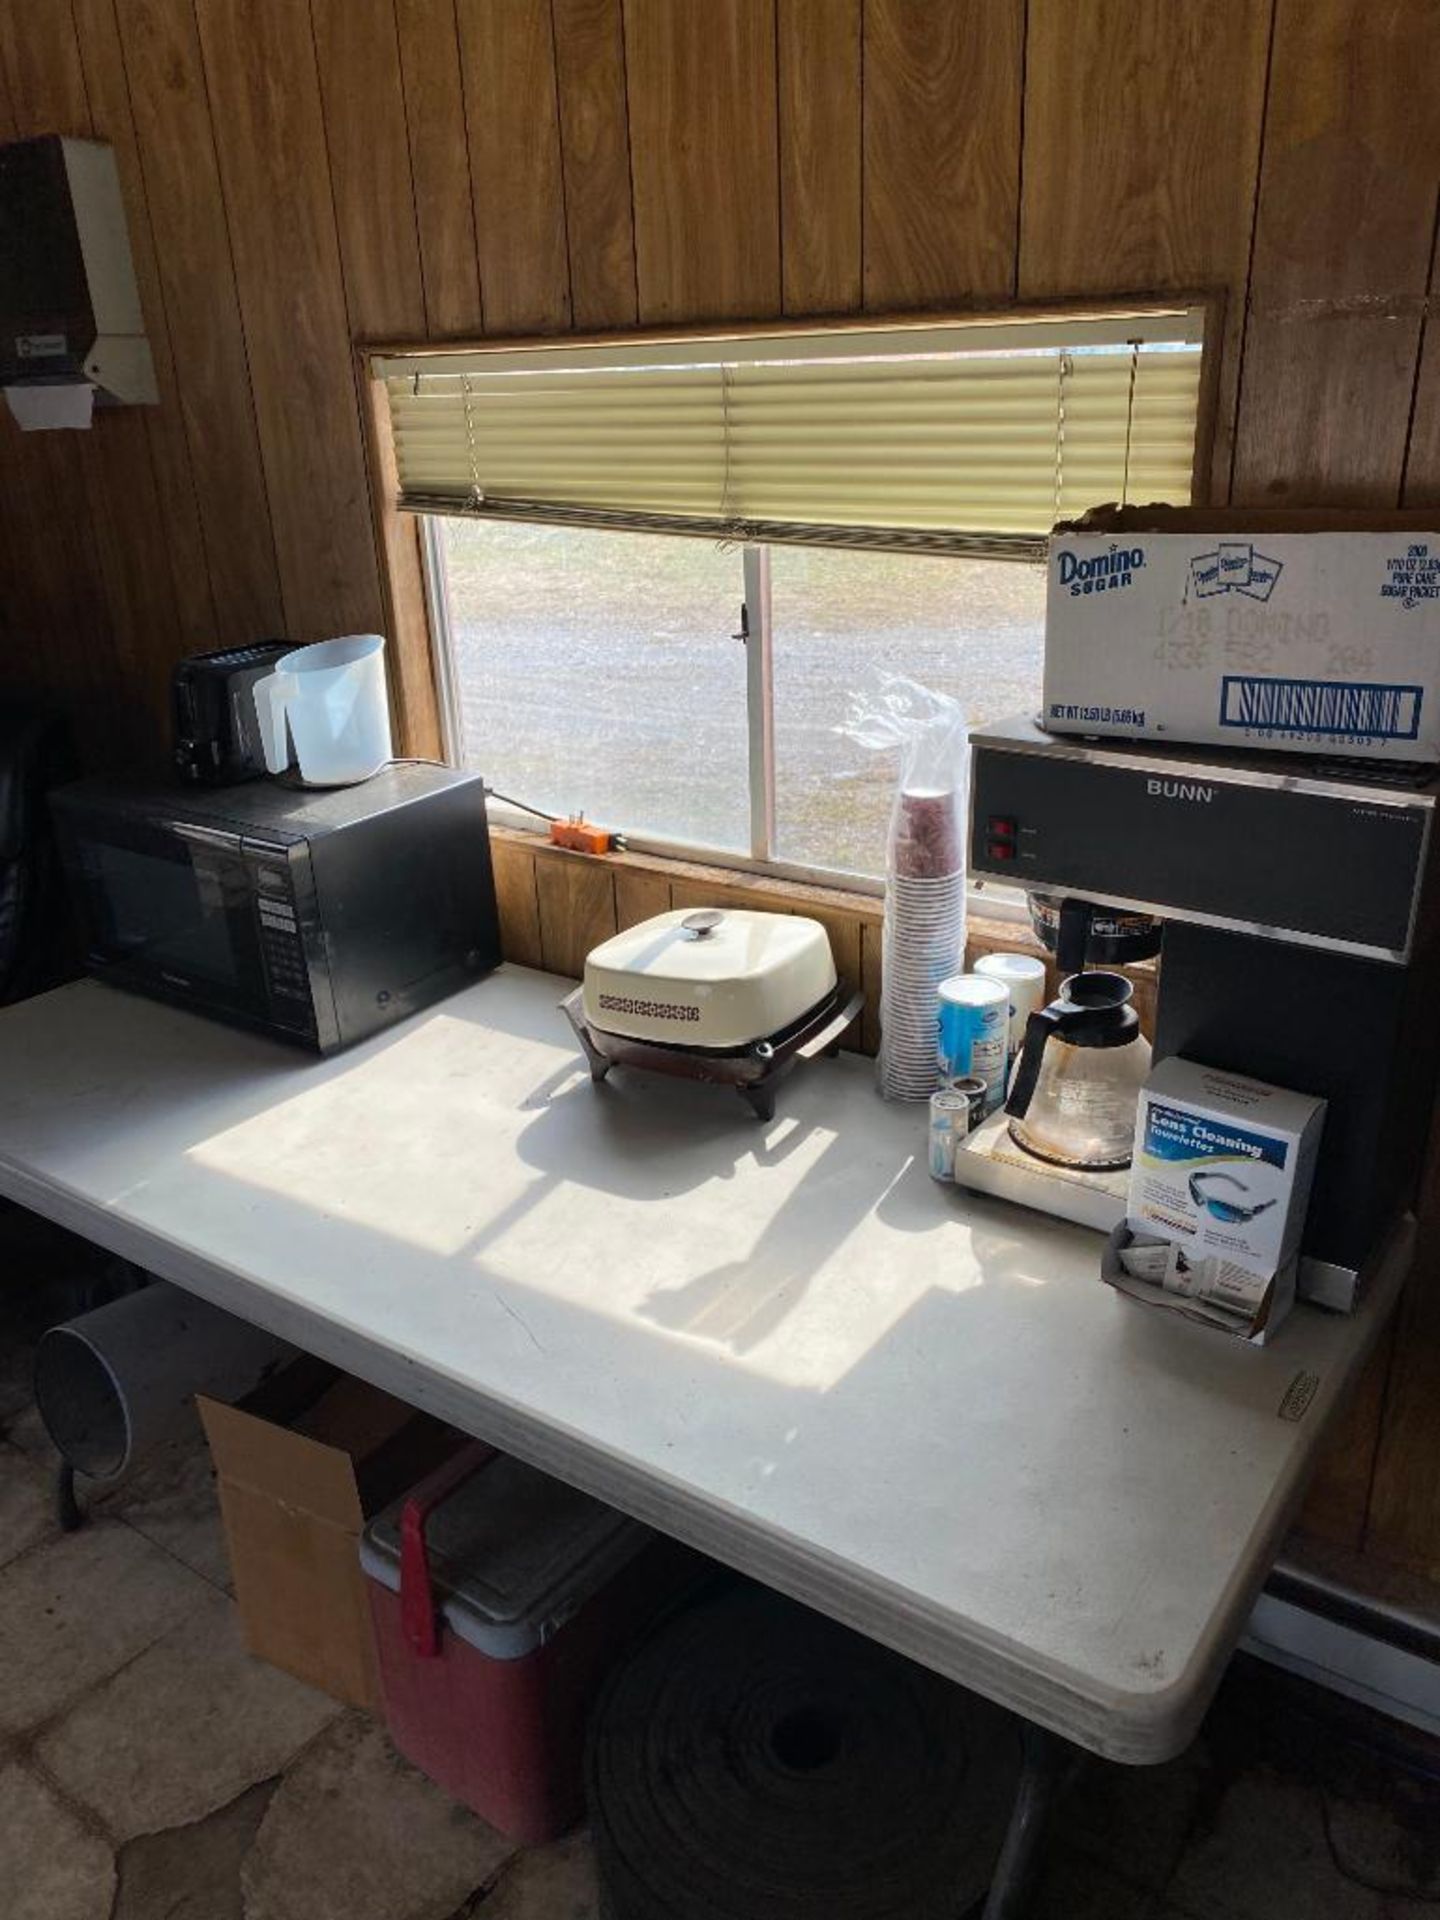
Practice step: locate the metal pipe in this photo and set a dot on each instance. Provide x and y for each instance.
(116, 1382)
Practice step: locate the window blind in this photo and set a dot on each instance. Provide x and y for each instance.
(962, 438)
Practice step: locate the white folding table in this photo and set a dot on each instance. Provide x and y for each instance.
(914, 1409)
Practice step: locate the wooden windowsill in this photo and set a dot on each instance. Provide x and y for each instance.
(736, 884)
(864, 906)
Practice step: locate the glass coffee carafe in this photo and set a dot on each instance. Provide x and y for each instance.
(1077, 1083)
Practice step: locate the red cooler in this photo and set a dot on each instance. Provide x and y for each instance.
(499, 1596)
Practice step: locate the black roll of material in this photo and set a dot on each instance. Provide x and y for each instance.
(754, 1761)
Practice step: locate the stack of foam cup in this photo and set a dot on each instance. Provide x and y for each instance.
(924, 936)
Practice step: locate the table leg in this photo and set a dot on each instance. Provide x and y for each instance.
(68, 1511)
(1045, 1766)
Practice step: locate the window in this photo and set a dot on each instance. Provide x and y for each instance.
(659, 568)
(971, 628)
(597, 671)
(605, 672)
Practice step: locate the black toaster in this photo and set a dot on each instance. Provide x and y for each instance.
(217, 735)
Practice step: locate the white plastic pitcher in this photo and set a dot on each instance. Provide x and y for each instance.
(331, 700)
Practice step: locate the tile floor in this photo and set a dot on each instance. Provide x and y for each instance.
(151, 1770)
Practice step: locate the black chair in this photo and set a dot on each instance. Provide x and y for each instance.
(35, 945)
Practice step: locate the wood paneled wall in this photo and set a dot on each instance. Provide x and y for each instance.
(303, 173)
(555, 906)
(300, 174)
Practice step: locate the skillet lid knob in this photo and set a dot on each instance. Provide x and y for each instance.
(703, 923)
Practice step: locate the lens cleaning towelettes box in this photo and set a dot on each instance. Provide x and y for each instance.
(1223, 1164)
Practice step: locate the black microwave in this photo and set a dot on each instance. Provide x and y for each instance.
(318, 916)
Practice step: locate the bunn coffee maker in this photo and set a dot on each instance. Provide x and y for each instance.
(1300, 940)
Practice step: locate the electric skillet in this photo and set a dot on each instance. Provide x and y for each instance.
(735, 998)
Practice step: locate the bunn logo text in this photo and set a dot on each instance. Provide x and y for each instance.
(1180, 790)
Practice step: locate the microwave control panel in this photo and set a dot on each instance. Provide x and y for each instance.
(282, 947)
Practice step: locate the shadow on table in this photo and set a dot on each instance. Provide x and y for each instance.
(645, 1137)
(401, 1277)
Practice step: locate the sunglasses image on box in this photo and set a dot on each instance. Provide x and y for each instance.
(1230, 1212)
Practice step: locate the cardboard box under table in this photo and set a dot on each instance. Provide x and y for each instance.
(499, 1598)
(300, 1466)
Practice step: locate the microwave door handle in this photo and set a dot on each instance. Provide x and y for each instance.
(269, 693)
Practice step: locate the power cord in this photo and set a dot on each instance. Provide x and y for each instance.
(573, 832)
(494, 793)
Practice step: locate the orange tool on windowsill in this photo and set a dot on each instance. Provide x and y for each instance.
(577, 834)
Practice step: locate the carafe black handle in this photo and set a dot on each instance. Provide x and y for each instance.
(1044, 1022)
(1072, 937)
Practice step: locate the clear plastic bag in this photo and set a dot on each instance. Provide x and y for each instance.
(924, 938)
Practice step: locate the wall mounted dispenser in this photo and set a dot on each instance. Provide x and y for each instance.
(71, 328)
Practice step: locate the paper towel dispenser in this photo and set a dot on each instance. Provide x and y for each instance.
(69, 307)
